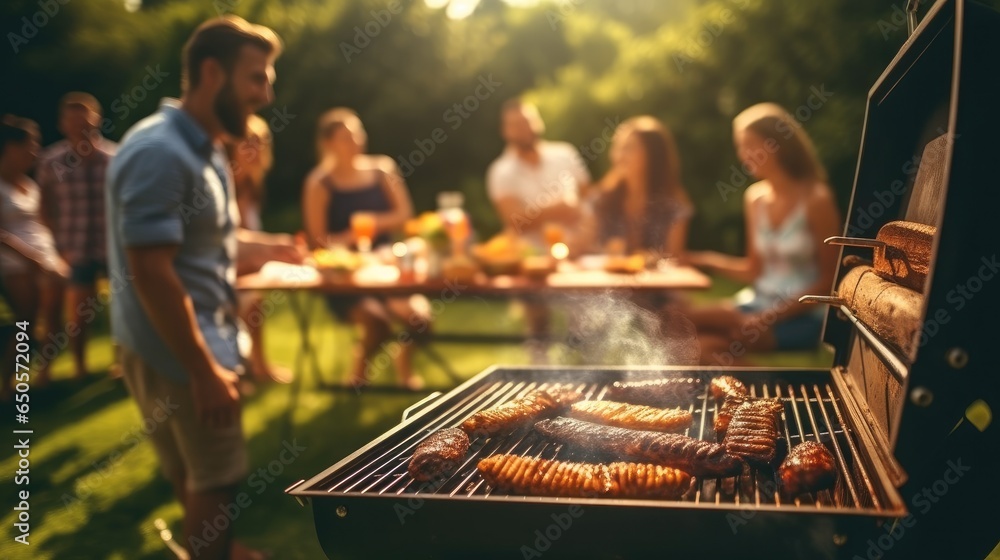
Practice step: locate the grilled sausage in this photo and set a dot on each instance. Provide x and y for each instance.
(542, 477)
(728, 386)
(657, 392)
(754, 431)
(511, 415)
(700, 458)
(809, 467)
(635, 416)
(439, 454)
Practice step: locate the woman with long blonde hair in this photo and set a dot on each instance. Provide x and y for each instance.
(788, 212)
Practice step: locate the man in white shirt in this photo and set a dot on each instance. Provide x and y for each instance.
(533, 184)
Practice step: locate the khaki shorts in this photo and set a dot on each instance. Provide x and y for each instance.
(205, 458)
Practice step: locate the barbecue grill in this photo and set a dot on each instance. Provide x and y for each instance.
(904, 409)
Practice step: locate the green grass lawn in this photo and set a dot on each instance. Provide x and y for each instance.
(95, 486)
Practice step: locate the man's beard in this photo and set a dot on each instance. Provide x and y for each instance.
(525, 144)
(227, 109)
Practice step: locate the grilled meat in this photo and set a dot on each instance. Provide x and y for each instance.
(700, 458)
(542, 477)
(728, 386)
(724, 415)
(511, 415)
(635, 416)
(809, 467)
(657, 392)
(439, 454)
(754, 431)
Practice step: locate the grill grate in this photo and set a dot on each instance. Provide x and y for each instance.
(812, 413)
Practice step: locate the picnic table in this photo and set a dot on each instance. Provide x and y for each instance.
(384, 281)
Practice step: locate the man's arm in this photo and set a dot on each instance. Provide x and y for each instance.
(256, 248)
(151, 228)
(171, 312)
(521, 217)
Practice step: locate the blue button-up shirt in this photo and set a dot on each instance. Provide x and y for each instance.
(169, 184)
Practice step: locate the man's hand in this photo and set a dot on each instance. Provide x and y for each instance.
(217, 398)
(285, 253)
(257, 248)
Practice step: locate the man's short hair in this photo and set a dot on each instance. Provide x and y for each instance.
(222, 39)
(529, 109)
(17, 129)
(77, 99)
(516, 103)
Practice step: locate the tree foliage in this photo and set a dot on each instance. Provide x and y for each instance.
(408, 70)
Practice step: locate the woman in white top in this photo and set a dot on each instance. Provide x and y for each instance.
(29, 262)
(788, 213)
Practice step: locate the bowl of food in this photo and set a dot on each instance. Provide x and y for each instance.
(337, 264)
(501, 255)
(538, 266)
(459, 269)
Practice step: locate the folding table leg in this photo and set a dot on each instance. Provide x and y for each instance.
(304, 357)
(442, 363)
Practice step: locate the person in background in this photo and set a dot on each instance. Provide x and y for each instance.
(345, 182)
(173, 227)
(251, 158)
(29, 262)
(788, 214)
(71, 176)
(537, 184)
(641, 200)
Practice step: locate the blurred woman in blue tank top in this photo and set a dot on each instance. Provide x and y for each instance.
(346, 181)
(788, 213)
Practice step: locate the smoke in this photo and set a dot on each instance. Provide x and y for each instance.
(612, 329)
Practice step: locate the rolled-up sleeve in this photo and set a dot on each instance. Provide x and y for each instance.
(151, 189)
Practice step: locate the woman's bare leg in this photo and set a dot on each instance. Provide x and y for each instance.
(23, 297)
(722, 317)
(253, 317)
(50, 301)
(373, 319)
(414, 312)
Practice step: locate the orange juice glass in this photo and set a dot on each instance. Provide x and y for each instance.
(553, 234)
(363, 228)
